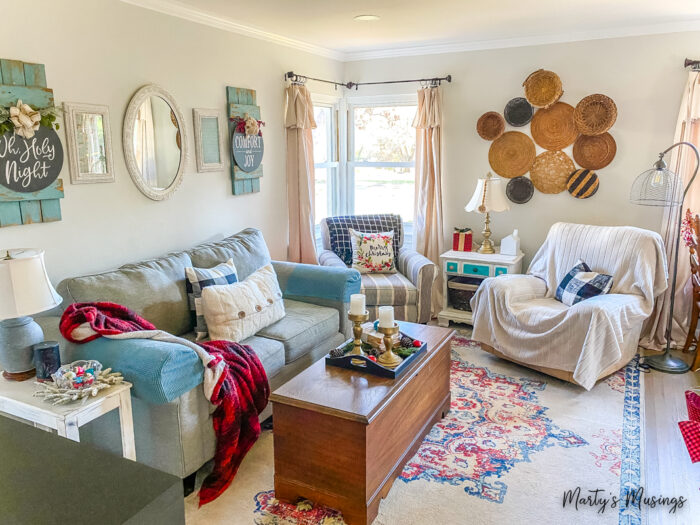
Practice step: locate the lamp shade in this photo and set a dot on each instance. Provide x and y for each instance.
(491, 194)
(25, 288)
(658, 186)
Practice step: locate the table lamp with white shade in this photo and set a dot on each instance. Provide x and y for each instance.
(489, 196)
(25, 290)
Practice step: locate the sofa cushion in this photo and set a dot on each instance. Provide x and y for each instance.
(247, 248)
(388, 289)
(303, 327)
(154, 289)
(270, 352)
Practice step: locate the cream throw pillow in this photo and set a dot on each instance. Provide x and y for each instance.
(373, 252)
(239, 310)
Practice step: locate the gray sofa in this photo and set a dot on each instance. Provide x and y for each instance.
(172, 418)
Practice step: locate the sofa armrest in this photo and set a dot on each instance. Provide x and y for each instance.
(321, 285)
(160, 372)
(422, 272)
(329, 258)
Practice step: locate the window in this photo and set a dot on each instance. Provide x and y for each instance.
(381, 167)
(364, 158)
(325, 160)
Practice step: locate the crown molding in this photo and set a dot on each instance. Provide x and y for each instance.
(179, 10)
(460, 47)
(174, 8)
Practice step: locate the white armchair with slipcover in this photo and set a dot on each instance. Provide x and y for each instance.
(518, 318)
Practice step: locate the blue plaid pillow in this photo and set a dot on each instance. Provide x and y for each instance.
(199, 278)
(339, 235)
(582, 283)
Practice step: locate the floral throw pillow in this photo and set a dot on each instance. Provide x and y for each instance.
(373, 252)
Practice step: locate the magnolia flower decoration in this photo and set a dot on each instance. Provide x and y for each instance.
(25, 119)
(251, 126)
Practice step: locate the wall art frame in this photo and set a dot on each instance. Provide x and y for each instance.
(71, 111)
(208, 147)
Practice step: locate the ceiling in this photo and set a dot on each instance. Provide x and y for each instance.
(419, 26)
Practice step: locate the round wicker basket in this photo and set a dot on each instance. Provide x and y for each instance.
(518, 112)
(583, 184)
(551, 170)
(511, 154)
(520, 190)
(543, 88)
(553, 128)
(490, 125)
(595, 114)
(594, 152)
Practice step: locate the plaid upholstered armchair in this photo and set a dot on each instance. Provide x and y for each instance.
(408, 291)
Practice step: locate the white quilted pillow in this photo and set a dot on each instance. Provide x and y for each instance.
(236, 311)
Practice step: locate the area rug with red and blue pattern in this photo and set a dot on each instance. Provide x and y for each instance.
(516, 446)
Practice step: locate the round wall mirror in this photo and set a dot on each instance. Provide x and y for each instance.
(155, 142)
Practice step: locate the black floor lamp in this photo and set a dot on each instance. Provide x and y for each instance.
(659, 186)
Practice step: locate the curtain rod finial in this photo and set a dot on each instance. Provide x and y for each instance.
(448, 78)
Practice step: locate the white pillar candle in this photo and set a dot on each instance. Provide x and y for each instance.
(357, 304)
(386, 316)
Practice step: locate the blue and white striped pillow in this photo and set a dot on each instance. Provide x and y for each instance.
(199, 278)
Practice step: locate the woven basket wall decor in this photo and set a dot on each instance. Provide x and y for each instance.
(594, 152)
(595, 114)
(490, 125)
(553, 128)
(551, 170)
(518, 112)
(520, 190)
(543, 88)
(583, 184)
(512, 154)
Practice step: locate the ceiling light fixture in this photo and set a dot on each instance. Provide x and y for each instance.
(366, 18)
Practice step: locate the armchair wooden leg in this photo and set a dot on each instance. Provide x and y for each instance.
(695, 367)
(693, 326)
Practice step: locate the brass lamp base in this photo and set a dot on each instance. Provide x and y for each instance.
(487, 246)
(389, 359)
(357, 320)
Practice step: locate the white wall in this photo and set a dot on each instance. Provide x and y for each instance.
(101, 52)
(644, 75)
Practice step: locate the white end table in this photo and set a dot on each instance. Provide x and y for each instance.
(17, 399)
(475, 265)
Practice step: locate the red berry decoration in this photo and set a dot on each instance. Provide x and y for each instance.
(372, 358)
(417, 343)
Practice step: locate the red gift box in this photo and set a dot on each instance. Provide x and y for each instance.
(462, 241)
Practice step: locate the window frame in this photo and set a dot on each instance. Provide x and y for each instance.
(407, 99)
(341, 184)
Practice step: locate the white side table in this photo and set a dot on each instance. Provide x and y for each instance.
(477, 266)
(17, 399)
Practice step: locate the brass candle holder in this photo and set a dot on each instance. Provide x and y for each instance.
(357, 320)
(389, 359)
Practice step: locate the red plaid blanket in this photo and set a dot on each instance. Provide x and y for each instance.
(240, 393)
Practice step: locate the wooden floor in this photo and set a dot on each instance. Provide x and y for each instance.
(667, 465)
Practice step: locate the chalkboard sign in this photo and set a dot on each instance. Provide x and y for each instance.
(247, 150)
(29, 165)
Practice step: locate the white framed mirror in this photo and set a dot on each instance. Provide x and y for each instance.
(89, 143)
(155, 142)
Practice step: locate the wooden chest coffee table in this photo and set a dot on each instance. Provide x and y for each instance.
(341, 437)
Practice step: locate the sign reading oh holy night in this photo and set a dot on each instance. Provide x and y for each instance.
(29, 165)
(247, 150)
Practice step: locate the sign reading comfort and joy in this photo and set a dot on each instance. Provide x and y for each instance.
(29, 165)
(247, 150)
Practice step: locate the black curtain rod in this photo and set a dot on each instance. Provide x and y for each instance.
(291, 75)
(694, 64)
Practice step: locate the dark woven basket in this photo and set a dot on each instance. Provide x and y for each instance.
(460, 291)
